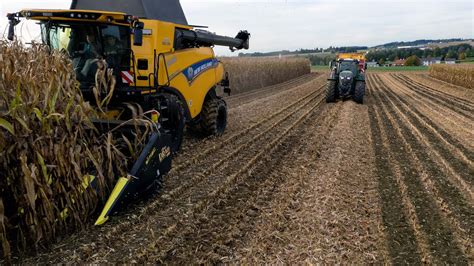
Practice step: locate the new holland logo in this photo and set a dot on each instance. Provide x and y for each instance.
(190, 72)
(197, 69)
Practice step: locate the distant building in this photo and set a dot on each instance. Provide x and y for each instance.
(450, 61)
(372, 64)
(399, 62)
(431, 61)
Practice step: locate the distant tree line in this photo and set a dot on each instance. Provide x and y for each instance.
(322, 59)
(415, 43)
(345, 49)
(331, 49)
(460, 52)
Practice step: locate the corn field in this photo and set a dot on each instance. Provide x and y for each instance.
(49, 147)
(253, 73)
(462, 75)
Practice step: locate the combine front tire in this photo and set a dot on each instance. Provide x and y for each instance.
(331, 91)
(359, 92)
(214, 117)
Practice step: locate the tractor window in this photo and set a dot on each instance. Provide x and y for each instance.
(348, 66)
(116, 46)
(59, 38)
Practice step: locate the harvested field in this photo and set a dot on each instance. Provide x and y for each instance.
(294, 179)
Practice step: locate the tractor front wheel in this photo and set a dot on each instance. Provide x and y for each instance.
(331, 93)
(359, 92)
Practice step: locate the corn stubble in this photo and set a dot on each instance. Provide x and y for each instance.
(248, 73)
(461, 75)
(48, 144)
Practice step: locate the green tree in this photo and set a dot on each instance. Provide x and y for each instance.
(381, 61)
(451, 54)
(413, 61)
(462, 56)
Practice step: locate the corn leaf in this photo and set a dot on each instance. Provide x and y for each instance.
(7, 125)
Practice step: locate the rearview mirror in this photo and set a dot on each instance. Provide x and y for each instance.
(138, 34)
(11, 31)
(11, 27)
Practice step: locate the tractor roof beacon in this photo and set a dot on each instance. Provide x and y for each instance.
(159, 62)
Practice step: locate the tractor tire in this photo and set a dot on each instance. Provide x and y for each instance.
(213, 117)
(172, 120)
(359, 92)
(331, 91)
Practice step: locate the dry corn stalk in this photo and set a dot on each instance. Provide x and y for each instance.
(248, 73)
(48, 144)
(461, 75)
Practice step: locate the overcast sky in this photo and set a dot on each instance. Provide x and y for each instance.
(294, 24)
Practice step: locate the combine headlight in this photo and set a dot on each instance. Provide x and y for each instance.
(348, 78)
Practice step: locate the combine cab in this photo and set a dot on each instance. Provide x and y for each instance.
(347, 78)
(158, 61)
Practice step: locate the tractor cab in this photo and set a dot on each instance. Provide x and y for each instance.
(92, 39)
(89, 45)
(348, 65)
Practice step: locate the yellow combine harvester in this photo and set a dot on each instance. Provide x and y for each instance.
(159, 62)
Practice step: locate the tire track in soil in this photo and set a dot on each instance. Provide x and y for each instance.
(451, 97)
(442, 243)
(398, 216)
(254, 127)
(441, 85)
(447, 120)
(236, 150)
(263, 127)
(456, 209)
(334, 215)
(183, 185)
(235, 176)
(458, 166)
(194, 140)
(449, 200)
(456, 146)
(452, 105)
(445, 98)
(236, 213)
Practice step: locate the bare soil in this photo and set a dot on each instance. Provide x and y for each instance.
(295, 180)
